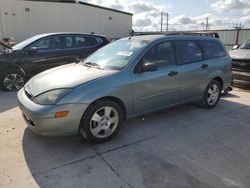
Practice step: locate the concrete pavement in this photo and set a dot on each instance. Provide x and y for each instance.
(183, 147)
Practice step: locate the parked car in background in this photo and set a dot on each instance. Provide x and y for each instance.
(129, 77)
(241, 63)
(42, 52)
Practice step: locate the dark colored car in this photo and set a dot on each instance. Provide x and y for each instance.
(42, 52)
(241, 63)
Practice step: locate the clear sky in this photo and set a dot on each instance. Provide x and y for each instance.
(183, 15)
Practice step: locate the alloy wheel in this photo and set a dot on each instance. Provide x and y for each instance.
(104, 122)
(213, 94)
(13, 81)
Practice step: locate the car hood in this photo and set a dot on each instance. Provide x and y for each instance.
(67, 76)
(240, 54)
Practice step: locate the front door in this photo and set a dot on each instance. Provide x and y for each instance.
(42, 55)
(157, 89)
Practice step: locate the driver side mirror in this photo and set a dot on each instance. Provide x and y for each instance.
(32, 50)
(149, 67)
(235, 47)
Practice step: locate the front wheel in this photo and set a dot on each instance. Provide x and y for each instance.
(101, 121)
(12, 80)
(211, 95)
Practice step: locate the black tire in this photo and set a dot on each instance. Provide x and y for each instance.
(204, 102)
(87, 121)
(8, 74)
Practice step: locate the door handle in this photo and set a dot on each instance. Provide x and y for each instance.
(172, 73)
(204, 66)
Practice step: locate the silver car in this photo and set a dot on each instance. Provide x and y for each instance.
(130, 77)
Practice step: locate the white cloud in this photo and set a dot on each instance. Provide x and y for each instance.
(231, 5)
(147, 15)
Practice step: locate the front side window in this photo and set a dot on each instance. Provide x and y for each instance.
(212, 49)
(43, 44)
(188, 52)
(161, 54)
(47, 44)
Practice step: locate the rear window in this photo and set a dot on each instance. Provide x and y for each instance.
(212, 49)
(188, 52)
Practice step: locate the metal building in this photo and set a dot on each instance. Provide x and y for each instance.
(25, 18)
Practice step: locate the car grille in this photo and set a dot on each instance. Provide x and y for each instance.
(242, 65)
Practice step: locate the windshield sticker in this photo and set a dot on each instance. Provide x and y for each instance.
(124, 53)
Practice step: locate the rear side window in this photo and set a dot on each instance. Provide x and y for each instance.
(69, 42)
(212, 49)
(188, 52)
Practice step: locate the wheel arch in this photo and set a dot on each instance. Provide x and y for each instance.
(116, 100)
(220, 80)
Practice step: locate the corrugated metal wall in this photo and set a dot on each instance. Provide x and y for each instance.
(23, 19)
(232, 37)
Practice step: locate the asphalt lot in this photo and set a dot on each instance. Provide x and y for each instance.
(183, 147)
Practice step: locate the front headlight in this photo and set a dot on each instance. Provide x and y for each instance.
(51, 97)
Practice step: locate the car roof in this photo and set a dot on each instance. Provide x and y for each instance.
(173, 37)
(67, 33)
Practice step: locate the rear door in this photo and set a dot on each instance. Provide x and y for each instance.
(193, 69)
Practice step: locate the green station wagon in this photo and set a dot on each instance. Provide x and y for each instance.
(130, 77)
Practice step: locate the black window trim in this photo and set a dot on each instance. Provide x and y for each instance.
(62, 35)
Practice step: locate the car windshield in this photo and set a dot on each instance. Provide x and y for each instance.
(24, 43)
(116, 55)
(245, 45)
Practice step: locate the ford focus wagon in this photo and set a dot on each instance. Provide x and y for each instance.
(130, 77)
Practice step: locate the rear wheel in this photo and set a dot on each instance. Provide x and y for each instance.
(211, 95)
(12, 80)
(101, 121)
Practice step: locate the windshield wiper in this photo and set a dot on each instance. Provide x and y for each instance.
(93, 65)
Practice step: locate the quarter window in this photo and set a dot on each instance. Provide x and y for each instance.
(188, 52)
(161, 54)
(212, 49)
(82, 41)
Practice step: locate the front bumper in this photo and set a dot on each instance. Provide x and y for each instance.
(240, 77)
(41, 118)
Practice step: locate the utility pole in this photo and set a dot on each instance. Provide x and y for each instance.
(167, 23)
(207, 23)
(161, 20)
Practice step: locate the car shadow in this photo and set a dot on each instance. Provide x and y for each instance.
(229, 95)
(8, 100)
(43, 154)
